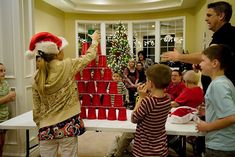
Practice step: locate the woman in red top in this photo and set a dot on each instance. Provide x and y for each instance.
(176, 86)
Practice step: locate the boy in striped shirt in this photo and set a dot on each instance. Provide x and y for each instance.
(150, 113)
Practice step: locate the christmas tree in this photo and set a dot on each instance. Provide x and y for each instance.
(119, 53)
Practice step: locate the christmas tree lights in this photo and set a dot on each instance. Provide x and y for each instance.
(119, 55)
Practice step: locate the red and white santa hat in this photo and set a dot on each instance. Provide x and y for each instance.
(183, 114)
(47, 43)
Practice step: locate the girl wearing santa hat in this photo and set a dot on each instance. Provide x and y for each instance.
(56, 105)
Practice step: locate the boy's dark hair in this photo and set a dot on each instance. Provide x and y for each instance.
(160, 75)
(139, 63)
(222, 7)
(225, 56)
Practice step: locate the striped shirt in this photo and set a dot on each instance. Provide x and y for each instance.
(150, 137)
(121, 90)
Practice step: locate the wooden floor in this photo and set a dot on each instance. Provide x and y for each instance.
(97, 144)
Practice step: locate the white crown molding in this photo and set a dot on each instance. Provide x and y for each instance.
(120, 6)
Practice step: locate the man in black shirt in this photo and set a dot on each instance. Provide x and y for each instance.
(217, 17)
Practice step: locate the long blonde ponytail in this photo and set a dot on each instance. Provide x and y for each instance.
(43, 70)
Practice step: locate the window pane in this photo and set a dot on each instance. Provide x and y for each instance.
(83, 30)
(144, 38)
(171, 35)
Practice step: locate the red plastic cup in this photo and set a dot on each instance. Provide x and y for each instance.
(101, 113)
(78, 76)
(113, 88)
(106, 100)
(85, 47)
(107, 74)
(83, 113)
(90, 87)
(86, 74)
(92, 63)
(112, 114)
(118, 100)
(97, 74)
(86, 100)
(102, 61)
(101, 87)
(99, 50)
(81, 87)
(122, 114)
(96, 100)
(91, 113)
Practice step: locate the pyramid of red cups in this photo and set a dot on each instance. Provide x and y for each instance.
(92, 85)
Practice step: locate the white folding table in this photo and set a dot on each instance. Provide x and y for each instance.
(25, 121)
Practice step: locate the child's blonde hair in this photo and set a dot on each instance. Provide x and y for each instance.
(43, 69)
(131, 60)
(191, 77)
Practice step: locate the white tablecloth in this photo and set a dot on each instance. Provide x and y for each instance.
(25, 121)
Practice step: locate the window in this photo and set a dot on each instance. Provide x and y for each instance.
(144, 38)
(172, 35)
(152, 36)
(82, 34)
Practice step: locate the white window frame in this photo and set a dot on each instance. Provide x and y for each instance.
(130, 32)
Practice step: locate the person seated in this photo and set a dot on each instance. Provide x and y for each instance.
(192, 95)
(176, 86)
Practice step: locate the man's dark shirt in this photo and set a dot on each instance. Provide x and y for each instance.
(225, 35)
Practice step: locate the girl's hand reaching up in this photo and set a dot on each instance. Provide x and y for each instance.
(95, 37)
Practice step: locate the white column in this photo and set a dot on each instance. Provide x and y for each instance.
(103, 38)
(16, 29)
(130, 36)
(157, 41)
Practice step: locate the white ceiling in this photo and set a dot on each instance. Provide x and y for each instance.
(120, 6)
